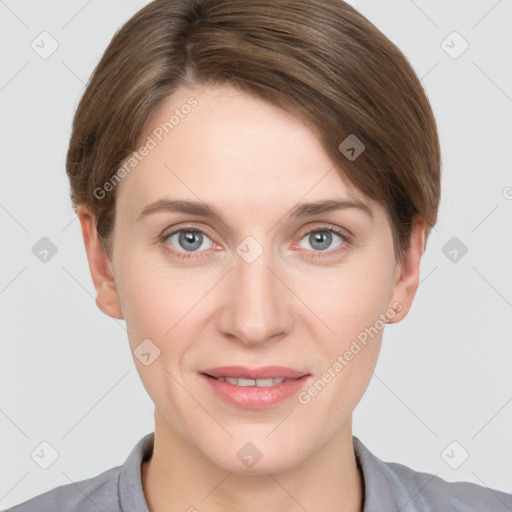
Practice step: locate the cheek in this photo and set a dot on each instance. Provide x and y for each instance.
(350, 304)
(151, 298)
(168, 306)
(155, 309)
(349, 299)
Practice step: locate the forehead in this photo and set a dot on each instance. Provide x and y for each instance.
(231, 149)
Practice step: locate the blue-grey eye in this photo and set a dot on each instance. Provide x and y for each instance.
(189, 241)
(321, 239)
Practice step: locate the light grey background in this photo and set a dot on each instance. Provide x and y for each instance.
(445, 372)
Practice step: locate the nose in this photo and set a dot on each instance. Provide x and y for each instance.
(256, 303)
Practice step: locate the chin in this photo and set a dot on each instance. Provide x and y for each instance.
(246, 456)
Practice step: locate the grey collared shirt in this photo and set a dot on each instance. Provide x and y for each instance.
(388, 487)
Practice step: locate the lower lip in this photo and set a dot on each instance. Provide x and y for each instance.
(253, 397)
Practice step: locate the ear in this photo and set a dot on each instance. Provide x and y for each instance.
(407, 273)
(107, 297)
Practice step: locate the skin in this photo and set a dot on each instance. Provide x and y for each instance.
(253, 162)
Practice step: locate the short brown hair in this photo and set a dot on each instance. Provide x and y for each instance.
(320, 60)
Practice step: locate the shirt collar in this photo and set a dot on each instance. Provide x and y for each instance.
(131, 494)
(377, 490)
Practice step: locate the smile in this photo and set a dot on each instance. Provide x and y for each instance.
(260, 383)
(254, 388)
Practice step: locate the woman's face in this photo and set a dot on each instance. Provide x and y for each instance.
(253, 287)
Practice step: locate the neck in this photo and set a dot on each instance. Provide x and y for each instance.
(180, 477)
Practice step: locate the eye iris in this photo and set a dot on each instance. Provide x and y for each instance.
(188, 237)
(323, 237)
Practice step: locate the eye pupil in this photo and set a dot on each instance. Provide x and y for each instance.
(188, 237)
(323, 238)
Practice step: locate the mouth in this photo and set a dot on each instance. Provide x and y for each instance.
(259, 383)
(254, 388)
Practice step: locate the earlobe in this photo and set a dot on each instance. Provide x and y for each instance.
(107, 297)
(407, 274)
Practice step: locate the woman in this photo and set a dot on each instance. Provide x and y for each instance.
(256, 182)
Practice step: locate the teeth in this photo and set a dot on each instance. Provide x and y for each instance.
(260, 383)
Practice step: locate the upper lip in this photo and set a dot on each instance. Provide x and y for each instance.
(263, 372)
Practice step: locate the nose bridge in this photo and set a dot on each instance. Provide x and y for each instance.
(256, 307)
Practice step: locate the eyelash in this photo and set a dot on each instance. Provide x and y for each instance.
(316, 254)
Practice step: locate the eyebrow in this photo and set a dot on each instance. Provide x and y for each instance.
(207, 210)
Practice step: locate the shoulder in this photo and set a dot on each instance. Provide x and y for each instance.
(96, 493)
(408, 490)
(428, 492)
(114, 490)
